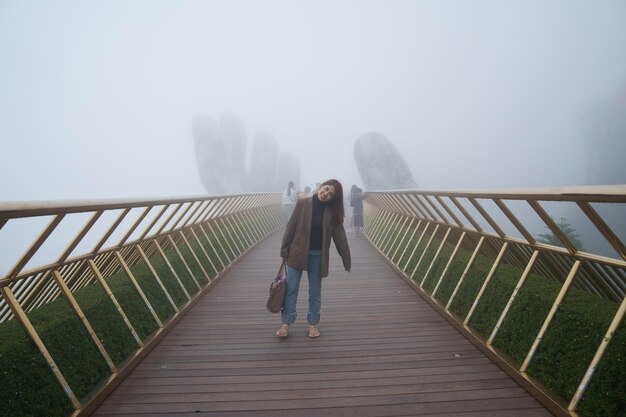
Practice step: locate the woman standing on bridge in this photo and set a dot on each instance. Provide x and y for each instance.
(306, 245)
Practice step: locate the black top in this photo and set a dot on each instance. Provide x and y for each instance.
(315, 242)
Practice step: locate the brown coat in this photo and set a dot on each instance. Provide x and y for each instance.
(295, 246)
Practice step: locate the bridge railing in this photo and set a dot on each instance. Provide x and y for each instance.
(142, 262)
(553, 311)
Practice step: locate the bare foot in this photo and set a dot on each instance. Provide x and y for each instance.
(313, 332)
(283, 331)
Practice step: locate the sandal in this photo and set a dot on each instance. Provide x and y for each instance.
(283, 331)
(313, 332)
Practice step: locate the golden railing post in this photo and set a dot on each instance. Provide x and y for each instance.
(467, 267)
(193, 254)
(43, 236)
(401, 240)
(32, 333)
(443, 273)
(234, 224)
(379, 232)
(230, 235)
(393, 243)
(130, 275)
(379, 226)
(387, 238)
(226, 223)
(173, 270)
(219, 258)
(257, 233)
(206, 254)
(617, 319)
(432, 262)
(406, 245)
(180, 255)
(79, 312)
(557, 302)
(486, 282)
(252, 221)
(370, 214)
(519, 285)
(219, 241)
(157, 278)
(246, 237)
(390, 241)
(419, 240)
(113, 299)
(419, 261)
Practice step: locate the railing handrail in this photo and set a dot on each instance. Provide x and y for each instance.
(18, 209)
(592, 193)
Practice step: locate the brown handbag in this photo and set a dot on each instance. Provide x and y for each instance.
(277, 290)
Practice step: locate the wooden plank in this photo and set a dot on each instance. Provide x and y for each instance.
(383, 352)
(368, 412)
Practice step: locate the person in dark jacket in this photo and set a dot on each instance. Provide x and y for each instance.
(356, 201)
(306, 246)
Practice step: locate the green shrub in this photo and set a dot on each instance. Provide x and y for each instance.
(526, 316)
(571, 341)
(29, 388)
(70, 345)
(410, 244)
(605, 395)
(494, 299)
(401, 244)
(107, 323)
(168, 280)
(438, 265)
(471, 285)
(389, 243)
(457, 266)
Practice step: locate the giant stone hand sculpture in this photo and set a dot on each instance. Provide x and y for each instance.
(234, 136)
(221, 152)
(288, 170)
(262, 170)
(380, 164)
(211, 154)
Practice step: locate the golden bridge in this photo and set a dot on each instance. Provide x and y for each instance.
(453, 307)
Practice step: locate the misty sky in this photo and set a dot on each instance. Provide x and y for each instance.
(96, 97)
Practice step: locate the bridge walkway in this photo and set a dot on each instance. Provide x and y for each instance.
(384, 351)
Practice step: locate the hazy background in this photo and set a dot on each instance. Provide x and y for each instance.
(96, 97)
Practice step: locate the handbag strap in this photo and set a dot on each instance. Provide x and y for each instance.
(283, 264)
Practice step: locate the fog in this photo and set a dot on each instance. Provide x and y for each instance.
(97, 97)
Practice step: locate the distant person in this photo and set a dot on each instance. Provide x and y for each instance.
(350, 211)
(290, 196)
(306, 245)
(356, 201)
(305, 193)
(316, 189)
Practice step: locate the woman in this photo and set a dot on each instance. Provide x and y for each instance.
(306, 245)
(290, 196)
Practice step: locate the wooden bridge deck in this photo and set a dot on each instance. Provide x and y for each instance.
(384, 351)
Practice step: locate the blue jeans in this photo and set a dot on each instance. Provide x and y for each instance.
(288, 313)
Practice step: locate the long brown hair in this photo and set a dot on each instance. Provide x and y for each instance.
(336, 204)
